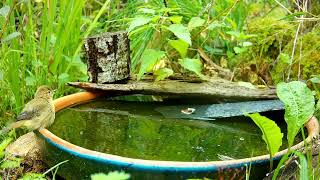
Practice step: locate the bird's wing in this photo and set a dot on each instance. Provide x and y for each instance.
(32, 109)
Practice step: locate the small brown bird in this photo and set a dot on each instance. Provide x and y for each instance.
(38, 113)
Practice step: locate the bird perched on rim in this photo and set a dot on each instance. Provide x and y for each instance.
(38, 113)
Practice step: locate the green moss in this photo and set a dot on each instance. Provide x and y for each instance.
(309, 58)
(271, 36)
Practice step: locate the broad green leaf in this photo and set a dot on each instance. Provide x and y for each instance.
(315, 80)
(299, 106)
(11, 36)
(63, 78)
(111, 176)
(246, 44)
(2, 153)
(176, 19)
(285, 58)
(139, 21)
(303, 166)
(271, 133)
(4, 11)
(32, 176)
(147, 11)
(193, 65)
(239, 50)
(181, 32)
(236, 34)
(1, 75)
(149, 59)
(163, 73)
(5, 143)
(195, 22)
(12, 163)
(181, 46)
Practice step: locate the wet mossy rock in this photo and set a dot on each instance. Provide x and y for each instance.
(108, 57)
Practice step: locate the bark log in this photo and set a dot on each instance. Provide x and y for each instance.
(108, 57)
(218, 89)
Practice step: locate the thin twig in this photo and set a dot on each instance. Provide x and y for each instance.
(293, 49)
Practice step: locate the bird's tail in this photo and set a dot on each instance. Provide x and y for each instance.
(14, 125)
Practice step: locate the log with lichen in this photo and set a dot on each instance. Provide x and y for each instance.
(108, 57)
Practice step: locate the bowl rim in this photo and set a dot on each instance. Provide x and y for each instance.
(155, 165)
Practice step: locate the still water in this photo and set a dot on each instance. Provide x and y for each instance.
(137, 130)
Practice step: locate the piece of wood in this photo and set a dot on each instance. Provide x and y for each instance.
(108, 57)
(217, 89)
(27, 146)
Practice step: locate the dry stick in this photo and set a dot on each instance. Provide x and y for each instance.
(295, 42)
(293, 49)
(304, 8)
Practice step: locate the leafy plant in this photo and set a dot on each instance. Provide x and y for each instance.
(110, 176)
(299, 106)
(193, 65)
(150, 57)
(271, 134)
(184, 30)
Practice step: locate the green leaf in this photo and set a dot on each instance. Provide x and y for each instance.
(193, 65)
(13, 163)
(246, 44)
(147, 11)
(63, 78)
(176, 19)
(271, 133)
(32, 176)
(111, 176)
(285, 58)
(303, 166)
(5, 143)
(181, 46)
(163, 73)
(30, 80)
(1, 75)
(299, 106)
(181, 32)
(139, 21)
(239, 50)
(149, 59)
(4, 11)
(236, 34)
(11, 36)
(195, 22)
(315, 80)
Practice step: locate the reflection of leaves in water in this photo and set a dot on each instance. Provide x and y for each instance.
(139, 132)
